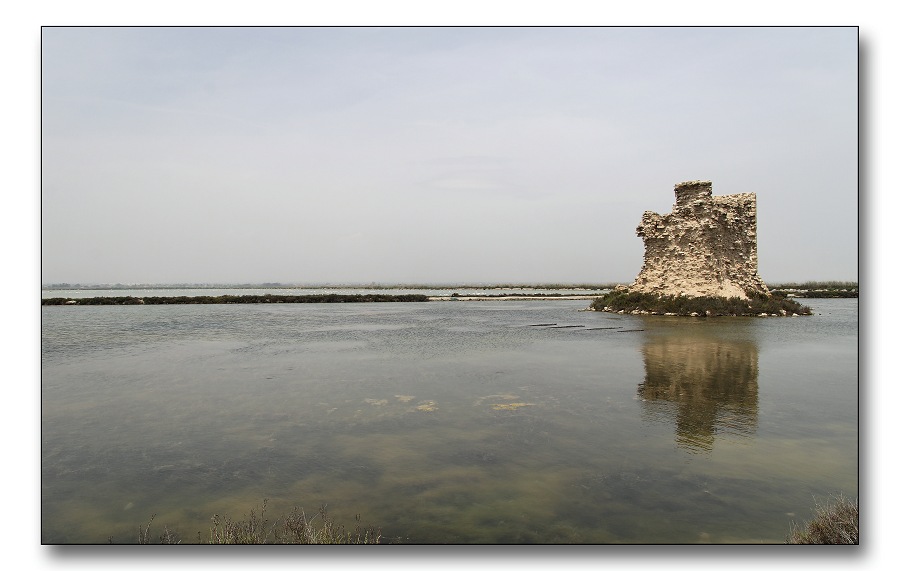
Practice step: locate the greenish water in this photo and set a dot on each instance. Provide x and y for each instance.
(460, 422)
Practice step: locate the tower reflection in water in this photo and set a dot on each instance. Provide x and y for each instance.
(706, 384)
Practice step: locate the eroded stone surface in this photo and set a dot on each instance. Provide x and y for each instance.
(705, 247)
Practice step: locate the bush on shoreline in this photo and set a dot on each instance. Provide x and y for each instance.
(835, 523)
(708, 306)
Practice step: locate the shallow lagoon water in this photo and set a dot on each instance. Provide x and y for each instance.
(459, 422)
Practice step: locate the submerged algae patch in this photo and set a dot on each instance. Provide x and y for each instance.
(427, 406)
(480, 400)
(503, 406)
(511, 405)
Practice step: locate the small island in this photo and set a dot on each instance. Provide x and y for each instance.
(700, 260)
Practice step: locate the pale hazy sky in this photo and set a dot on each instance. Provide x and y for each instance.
(438, 154)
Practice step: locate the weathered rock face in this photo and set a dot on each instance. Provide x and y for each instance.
(705, 247)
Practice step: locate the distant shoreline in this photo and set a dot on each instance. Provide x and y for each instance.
(314, 298)
(233, 299)
(335, 298)
(336, 286)
(509, 297)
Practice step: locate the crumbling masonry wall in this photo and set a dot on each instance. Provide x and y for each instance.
(705, 247)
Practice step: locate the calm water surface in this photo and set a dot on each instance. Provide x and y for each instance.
(462, 422)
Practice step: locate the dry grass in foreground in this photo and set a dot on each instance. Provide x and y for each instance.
(294, 529)
(835, 523)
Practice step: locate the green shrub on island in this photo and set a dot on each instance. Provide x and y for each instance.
(709, 306)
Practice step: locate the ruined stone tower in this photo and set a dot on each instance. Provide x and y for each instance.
(705, 247)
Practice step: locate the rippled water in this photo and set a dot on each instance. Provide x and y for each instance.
(463, 422)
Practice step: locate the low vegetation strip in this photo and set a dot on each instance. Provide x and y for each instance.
(817, 289)
(220, 299)
(817, 293)
(509, 296)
